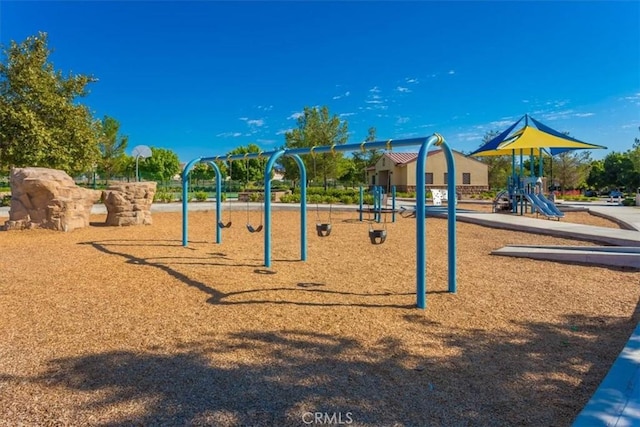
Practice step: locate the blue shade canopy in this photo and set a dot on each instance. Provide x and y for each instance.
(532, 140)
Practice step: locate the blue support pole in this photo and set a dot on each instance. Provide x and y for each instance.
(361, 200)
(520, 186)
(216, 169)
(393, 203)
(513, 190)
(185, 195)
(540, 164)
(421, 247)
(267, 206)
(376, 203)
(451, 217)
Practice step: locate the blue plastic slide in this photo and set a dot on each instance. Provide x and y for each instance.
(551, 205)
(539, 205)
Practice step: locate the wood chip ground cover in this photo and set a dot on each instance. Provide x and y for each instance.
(124, 326)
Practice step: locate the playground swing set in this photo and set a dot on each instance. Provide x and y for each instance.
(222, 224)
(323, 229)
(250, 227)
(377, 234)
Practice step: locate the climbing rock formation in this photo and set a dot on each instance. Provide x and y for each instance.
(129, 203)
(48, 198)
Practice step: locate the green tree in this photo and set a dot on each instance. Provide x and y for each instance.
(571, 169)
(363, 160)
(112, 147)
(202, 172)
(619, 171)
(596, 178)
(126, 166)
(499, 167)
(41, 122)
(161, 166)
(317, 128)
(250, 170)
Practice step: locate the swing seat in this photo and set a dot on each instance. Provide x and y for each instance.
(223, 225)
(323, 230)
(254, 230)
(377, 237)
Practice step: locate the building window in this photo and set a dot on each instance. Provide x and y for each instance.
(428, 178)
(445, 177)
(466, 178)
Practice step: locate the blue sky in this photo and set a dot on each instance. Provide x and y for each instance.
(205, 77)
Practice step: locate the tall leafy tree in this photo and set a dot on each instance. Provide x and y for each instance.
(571, 169)
(41, 122)
(161, 166)
(201, 172)
(499, 167)
(368, 158)
(317, 128)
(596, 178)
(619, 171)
(250, 170)
(112, 147)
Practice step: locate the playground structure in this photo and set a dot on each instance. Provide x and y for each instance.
(376, 236)
(525, 194)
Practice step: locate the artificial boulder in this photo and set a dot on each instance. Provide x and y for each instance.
(48, 198)
(129, 203)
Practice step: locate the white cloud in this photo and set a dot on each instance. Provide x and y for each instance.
(283, 131)
(253, 122)
(402, 120)
(407, 135)
(229, 134)
(344, 95)
(266, 141)
(374, 101)
(256, 122)
(468, 136)
(526, 101)
(346, 114)
(555, 115)
(295, 116)
(374, 89)
(410, 80)
(265, 107)
(451, 72)
(403, 89)
(584, 114)
(635, 98)
(499, 123)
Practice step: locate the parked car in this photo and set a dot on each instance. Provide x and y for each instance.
(591, 193)
(615, 193)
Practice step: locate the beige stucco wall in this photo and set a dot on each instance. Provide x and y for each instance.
(404, 176)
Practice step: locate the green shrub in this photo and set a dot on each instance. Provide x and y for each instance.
(163, 197)
(201, 196)
(5, 200)
(347, 200)
(629, 202)
(255, 197)
(330, 200)
(290, 198)
(315, 198)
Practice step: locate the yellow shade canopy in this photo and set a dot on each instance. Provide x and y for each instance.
(541, 140)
